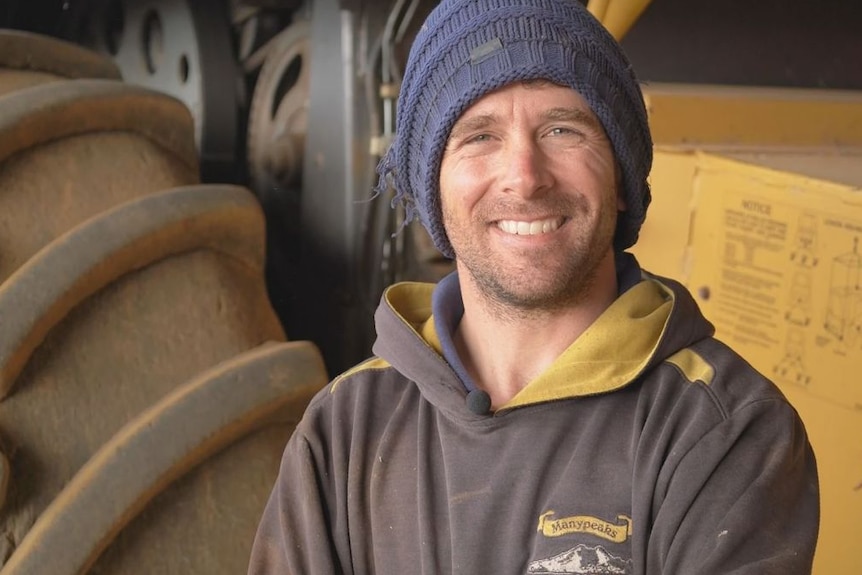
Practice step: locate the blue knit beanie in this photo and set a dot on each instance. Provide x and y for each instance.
(467, 48)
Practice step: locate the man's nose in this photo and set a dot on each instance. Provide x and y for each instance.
(526, 168)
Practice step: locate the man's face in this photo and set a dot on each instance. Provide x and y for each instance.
(529, 196)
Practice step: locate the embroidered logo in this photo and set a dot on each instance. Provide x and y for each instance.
(618, 533)
(582, 559)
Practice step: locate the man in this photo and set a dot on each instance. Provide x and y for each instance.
(550, 407)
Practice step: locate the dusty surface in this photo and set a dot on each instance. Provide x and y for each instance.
(46, 191)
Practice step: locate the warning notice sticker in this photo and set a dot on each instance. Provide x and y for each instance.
(776, 264)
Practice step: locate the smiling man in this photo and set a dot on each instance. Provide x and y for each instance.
(550, 407)
(529, 197)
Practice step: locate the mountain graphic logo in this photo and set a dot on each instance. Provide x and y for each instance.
(582, 559)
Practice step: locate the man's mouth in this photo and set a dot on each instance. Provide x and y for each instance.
(531, 228)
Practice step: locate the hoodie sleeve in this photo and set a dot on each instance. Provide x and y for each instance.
(293, 537)
(744, 500)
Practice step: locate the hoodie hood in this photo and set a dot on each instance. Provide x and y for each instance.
(645, 325)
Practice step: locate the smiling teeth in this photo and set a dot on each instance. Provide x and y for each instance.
(529, 228)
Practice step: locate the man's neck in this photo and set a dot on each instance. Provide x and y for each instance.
(503, 352)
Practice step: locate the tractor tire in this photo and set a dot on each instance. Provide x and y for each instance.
(146, 385)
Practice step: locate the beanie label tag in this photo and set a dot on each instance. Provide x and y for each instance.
(482, 51)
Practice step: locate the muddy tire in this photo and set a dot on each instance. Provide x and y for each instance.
(146, 386)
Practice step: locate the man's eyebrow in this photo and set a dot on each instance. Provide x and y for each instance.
(472, 124)
(575, 115)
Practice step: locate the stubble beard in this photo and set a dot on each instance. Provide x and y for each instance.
(514, 293)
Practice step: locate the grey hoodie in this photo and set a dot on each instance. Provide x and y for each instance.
(648, 447)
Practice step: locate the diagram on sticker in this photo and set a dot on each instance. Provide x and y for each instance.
(804, 251)
(791, 367)
(844, 309)
(799, 300)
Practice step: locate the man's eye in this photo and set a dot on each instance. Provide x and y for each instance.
(477, 139)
